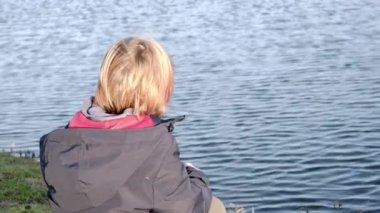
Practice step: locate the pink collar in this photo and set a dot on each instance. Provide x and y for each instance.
(128, 122)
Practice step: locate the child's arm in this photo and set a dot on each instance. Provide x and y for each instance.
(180, 189)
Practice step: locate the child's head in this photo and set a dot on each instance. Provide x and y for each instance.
(136, 73)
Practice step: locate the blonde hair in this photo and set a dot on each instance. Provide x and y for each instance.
(136, 73)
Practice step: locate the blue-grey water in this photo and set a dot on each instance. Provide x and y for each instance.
(282, 97)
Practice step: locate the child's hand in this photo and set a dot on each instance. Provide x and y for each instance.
(189, 164)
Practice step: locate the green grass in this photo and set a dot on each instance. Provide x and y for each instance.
(22, 189)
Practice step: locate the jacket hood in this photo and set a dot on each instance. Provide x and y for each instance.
(94, 112)
(93, 116)
(83, 165)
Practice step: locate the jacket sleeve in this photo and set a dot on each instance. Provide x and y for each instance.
(180, 189)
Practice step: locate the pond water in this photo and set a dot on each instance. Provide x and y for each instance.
(282, 97)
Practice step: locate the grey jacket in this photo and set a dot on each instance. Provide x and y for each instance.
(137, 170)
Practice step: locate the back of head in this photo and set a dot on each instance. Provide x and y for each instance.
(136, 73)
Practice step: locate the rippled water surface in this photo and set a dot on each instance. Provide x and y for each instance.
(282, 97)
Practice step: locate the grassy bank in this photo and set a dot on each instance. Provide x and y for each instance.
(21, 186)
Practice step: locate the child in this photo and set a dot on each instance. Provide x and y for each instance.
(116, 154)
